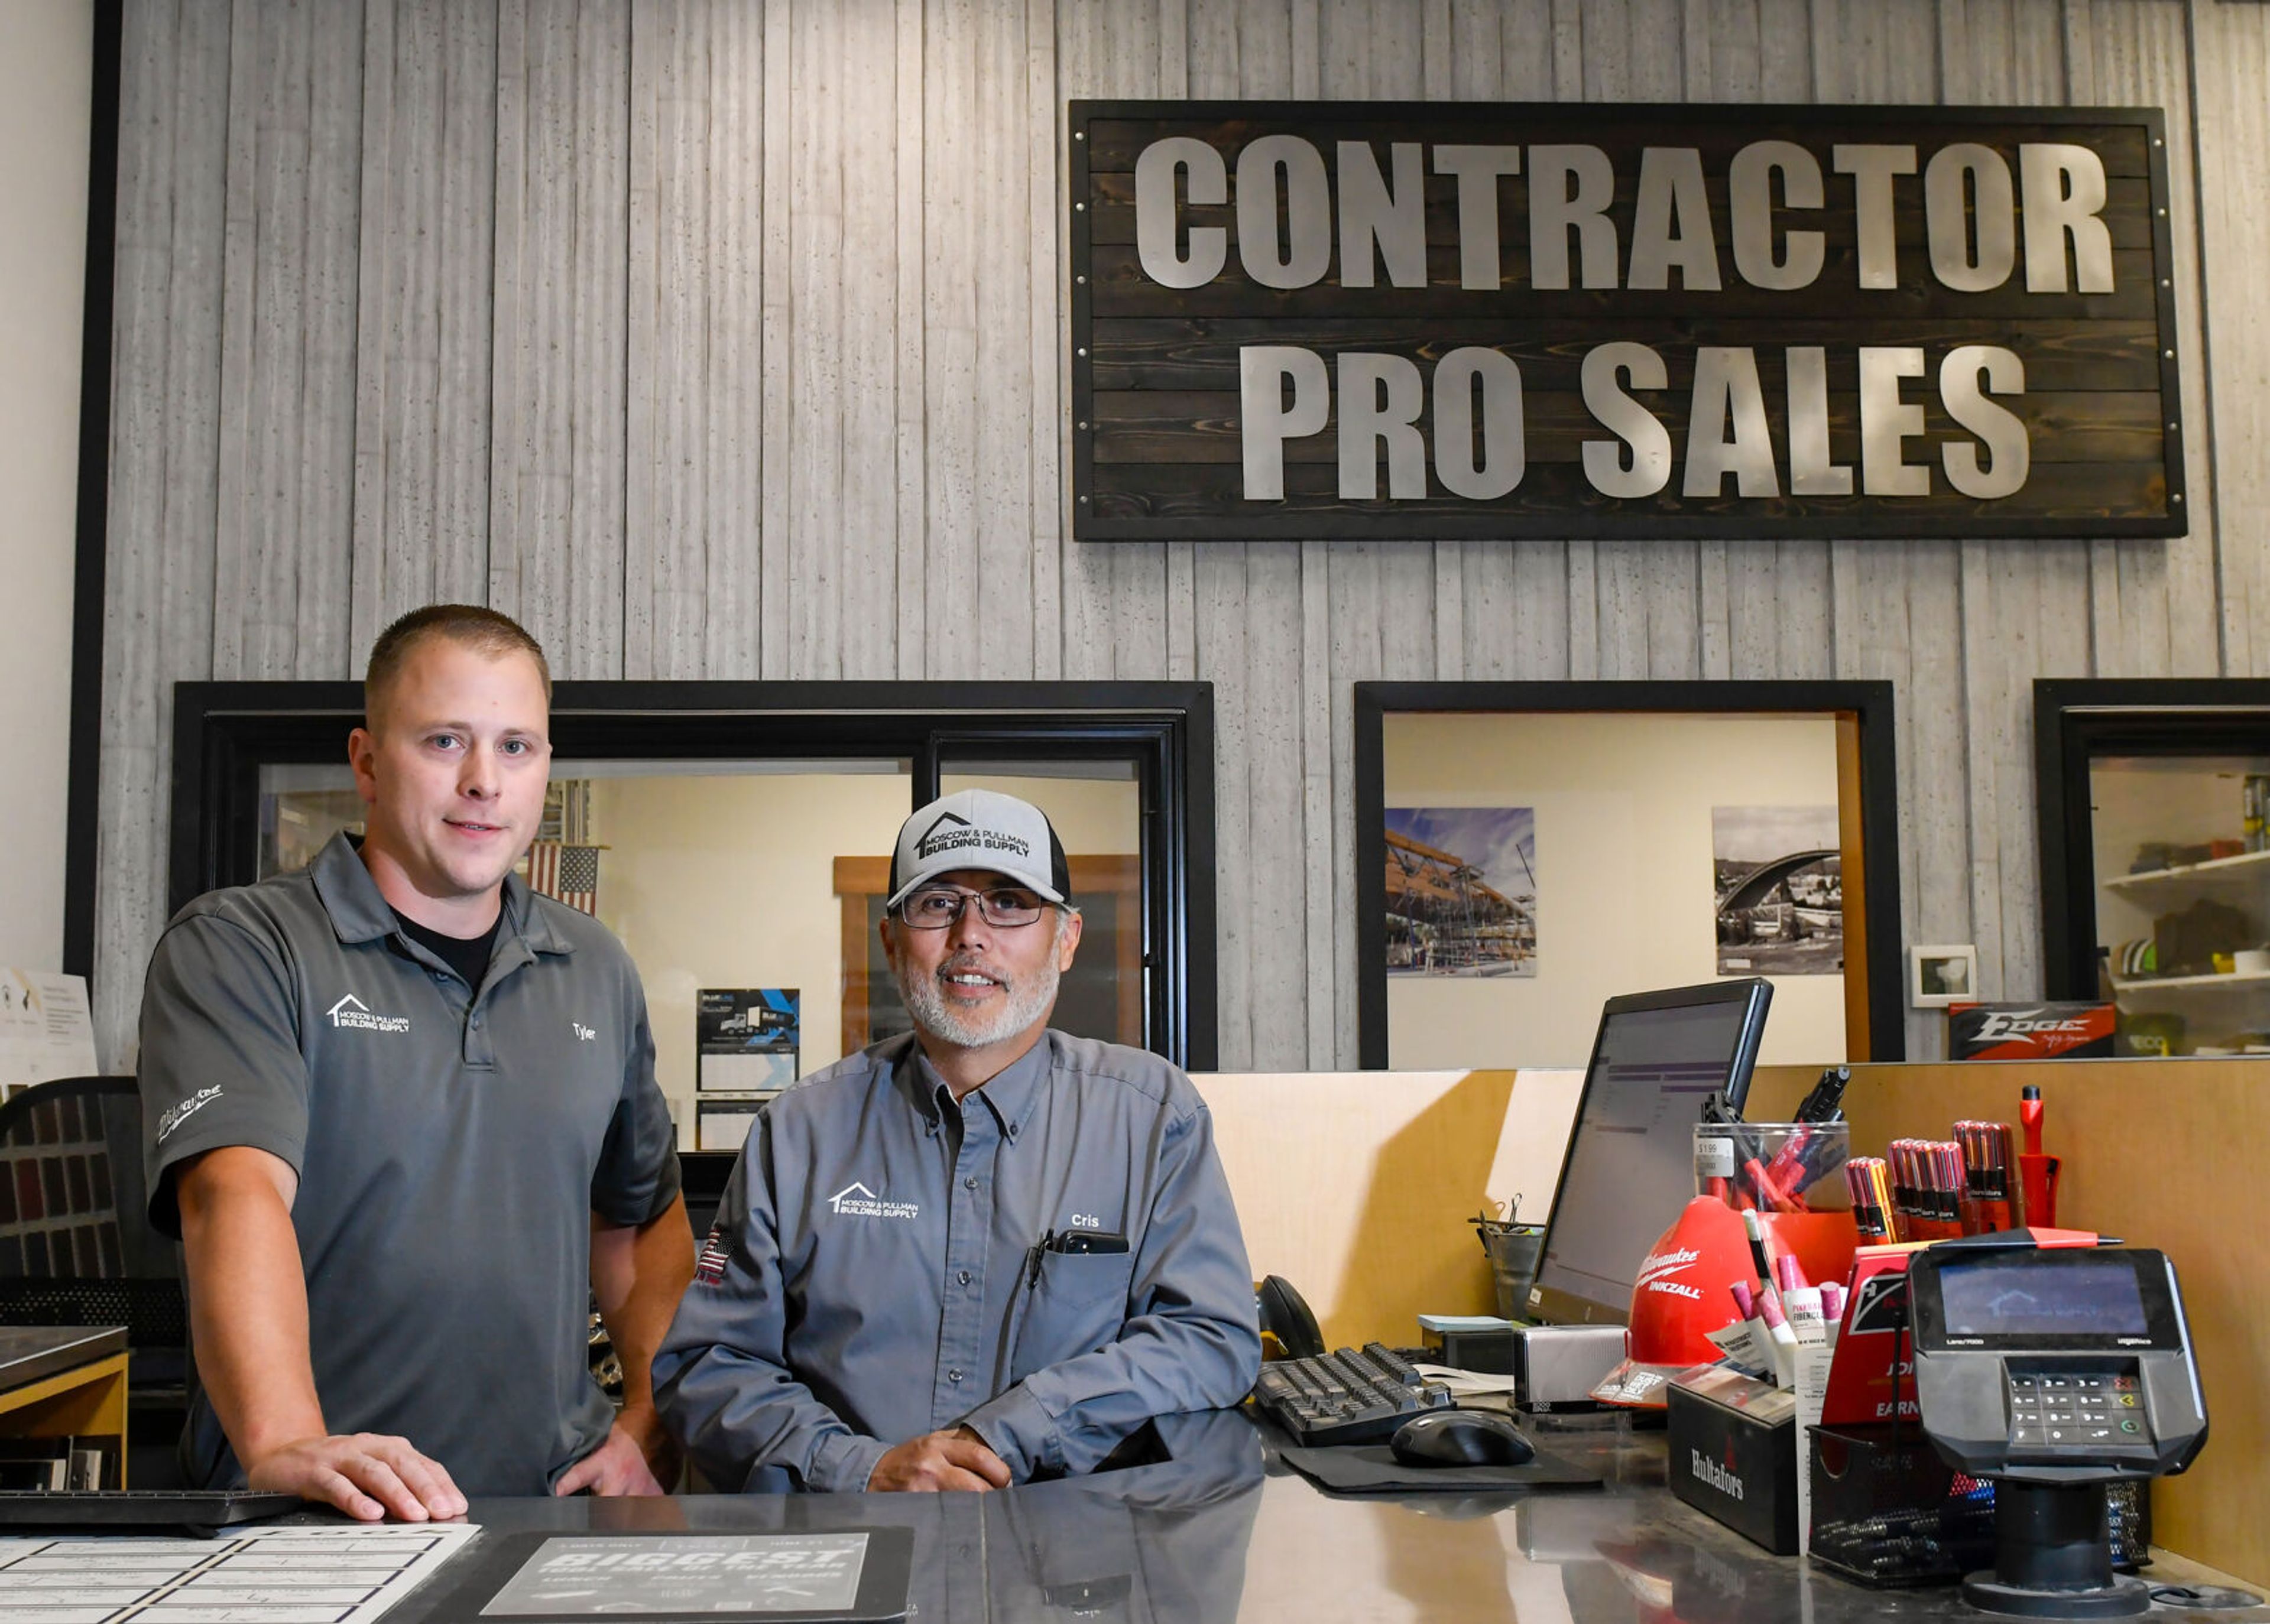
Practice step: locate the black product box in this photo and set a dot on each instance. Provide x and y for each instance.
(1734, 1453)
(1887, 1512)
(1489, 1352)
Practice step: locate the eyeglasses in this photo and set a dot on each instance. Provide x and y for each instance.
(936, 906)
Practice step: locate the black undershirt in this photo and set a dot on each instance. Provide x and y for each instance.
(467, 955)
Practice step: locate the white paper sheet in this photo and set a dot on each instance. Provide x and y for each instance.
(267, 1575)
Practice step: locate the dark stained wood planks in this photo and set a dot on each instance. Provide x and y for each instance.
(1155, 367)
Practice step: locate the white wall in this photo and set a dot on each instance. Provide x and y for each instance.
(45, 89)
(1623, 872)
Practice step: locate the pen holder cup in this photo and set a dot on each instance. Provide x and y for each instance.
(1513, 1251)
(1774, 1166)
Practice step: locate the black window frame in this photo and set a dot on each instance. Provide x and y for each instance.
(225, 732)
(1870, 702)
(2076, 718)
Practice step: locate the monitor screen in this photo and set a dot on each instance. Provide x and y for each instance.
(2006, 1297)
(1629, 1167)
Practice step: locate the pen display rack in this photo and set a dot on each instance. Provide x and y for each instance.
(1774, 1166)
(1888, 1513)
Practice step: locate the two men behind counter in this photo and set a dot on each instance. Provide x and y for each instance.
(403, 1111)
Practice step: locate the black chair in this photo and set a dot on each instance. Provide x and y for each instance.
(76, 1244)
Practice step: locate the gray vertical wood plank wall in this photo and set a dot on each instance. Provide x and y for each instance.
(729, 338)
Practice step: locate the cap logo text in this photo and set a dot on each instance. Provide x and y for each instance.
(951, 833)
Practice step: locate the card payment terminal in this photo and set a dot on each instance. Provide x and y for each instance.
(2053, 1371)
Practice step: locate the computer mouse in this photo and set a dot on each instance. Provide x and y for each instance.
(1461, 1438)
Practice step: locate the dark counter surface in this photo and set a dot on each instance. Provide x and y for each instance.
(1226, 1532)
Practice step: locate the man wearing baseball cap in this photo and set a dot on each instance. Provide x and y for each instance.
(979, 1254)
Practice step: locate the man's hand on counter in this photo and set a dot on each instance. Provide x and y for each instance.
(954, 1459)
(366, 1475)
(635, 1458)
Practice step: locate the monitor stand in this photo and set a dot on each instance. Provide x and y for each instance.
(2053, 1556)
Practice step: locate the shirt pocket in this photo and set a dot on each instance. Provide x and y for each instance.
(1076, 1303)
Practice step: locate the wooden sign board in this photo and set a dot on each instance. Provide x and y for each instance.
(1386, 320)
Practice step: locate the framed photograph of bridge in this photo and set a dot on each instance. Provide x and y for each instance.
(1461, 891)
(1777, 873)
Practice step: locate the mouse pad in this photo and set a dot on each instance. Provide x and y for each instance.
(1372, 1469)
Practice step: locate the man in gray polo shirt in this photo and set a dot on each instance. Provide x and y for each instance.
(403, 1114)
(976, 1254)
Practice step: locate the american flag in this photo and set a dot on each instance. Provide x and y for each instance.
(570, 873)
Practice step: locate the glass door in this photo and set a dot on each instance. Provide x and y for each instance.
(2155, 802)
(2181, 859)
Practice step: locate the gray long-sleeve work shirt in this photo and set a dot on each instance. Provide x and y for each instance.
(882, 1268)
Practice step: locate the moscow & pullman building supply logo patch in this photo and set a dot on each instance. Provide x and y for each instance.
(352, 1011)
(951, 833)
(859, 1201)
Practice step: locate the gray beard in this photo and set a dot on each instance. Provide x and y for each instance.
(1029, 1002)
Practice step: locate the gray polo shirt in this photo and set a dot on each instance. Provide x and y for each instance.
(450, 1148)
(879, 1270)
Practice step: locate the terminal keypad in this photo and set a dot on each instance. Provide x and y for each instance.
(2056, 1411)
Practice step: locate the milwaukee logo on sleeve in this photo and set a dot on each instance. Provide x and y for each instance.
(178, 1115)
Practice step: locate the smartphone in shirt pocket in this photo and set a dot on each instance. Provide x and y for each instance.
(1075, 1298)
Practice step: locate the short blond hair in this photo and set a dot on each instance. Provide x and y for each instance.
(469, 626)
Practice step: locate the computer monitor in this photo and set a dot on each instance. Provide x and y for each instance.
(1629, 1167)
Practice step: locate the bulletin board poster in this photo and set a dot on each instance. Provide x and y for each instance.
(747, 1040)
(1421, 321)
(47, 1030)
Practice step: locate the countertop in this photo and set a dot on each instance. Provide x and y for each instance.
(1224, 1532)
(30, 1354)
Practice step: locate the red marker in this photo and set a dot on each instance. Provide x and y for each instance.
(2037, 1174)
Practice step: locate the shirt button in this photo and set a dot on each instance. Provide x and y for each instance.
(969, 1183)
(954, 1376)
(963, 1277)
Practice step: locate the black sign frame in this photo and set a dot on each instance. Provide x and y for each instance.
(1108, 512)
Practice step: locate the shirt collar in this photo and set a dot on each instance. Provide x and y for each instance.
(1010, 1096)
(360, 913)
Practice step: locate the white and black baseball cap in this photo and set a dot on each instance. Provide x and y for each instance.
(980, 829)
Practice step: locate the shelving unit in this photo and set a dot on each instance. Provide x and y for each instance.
(2151, 805)
(2199, 998)
(2166, 888)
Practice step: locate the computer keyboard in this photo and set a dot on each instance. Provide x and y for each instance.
(1353, 1396)
(198, 1510)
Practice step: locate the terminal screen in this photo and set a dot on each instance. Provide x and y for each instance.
(2082, 1298)
(1631, 1155)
